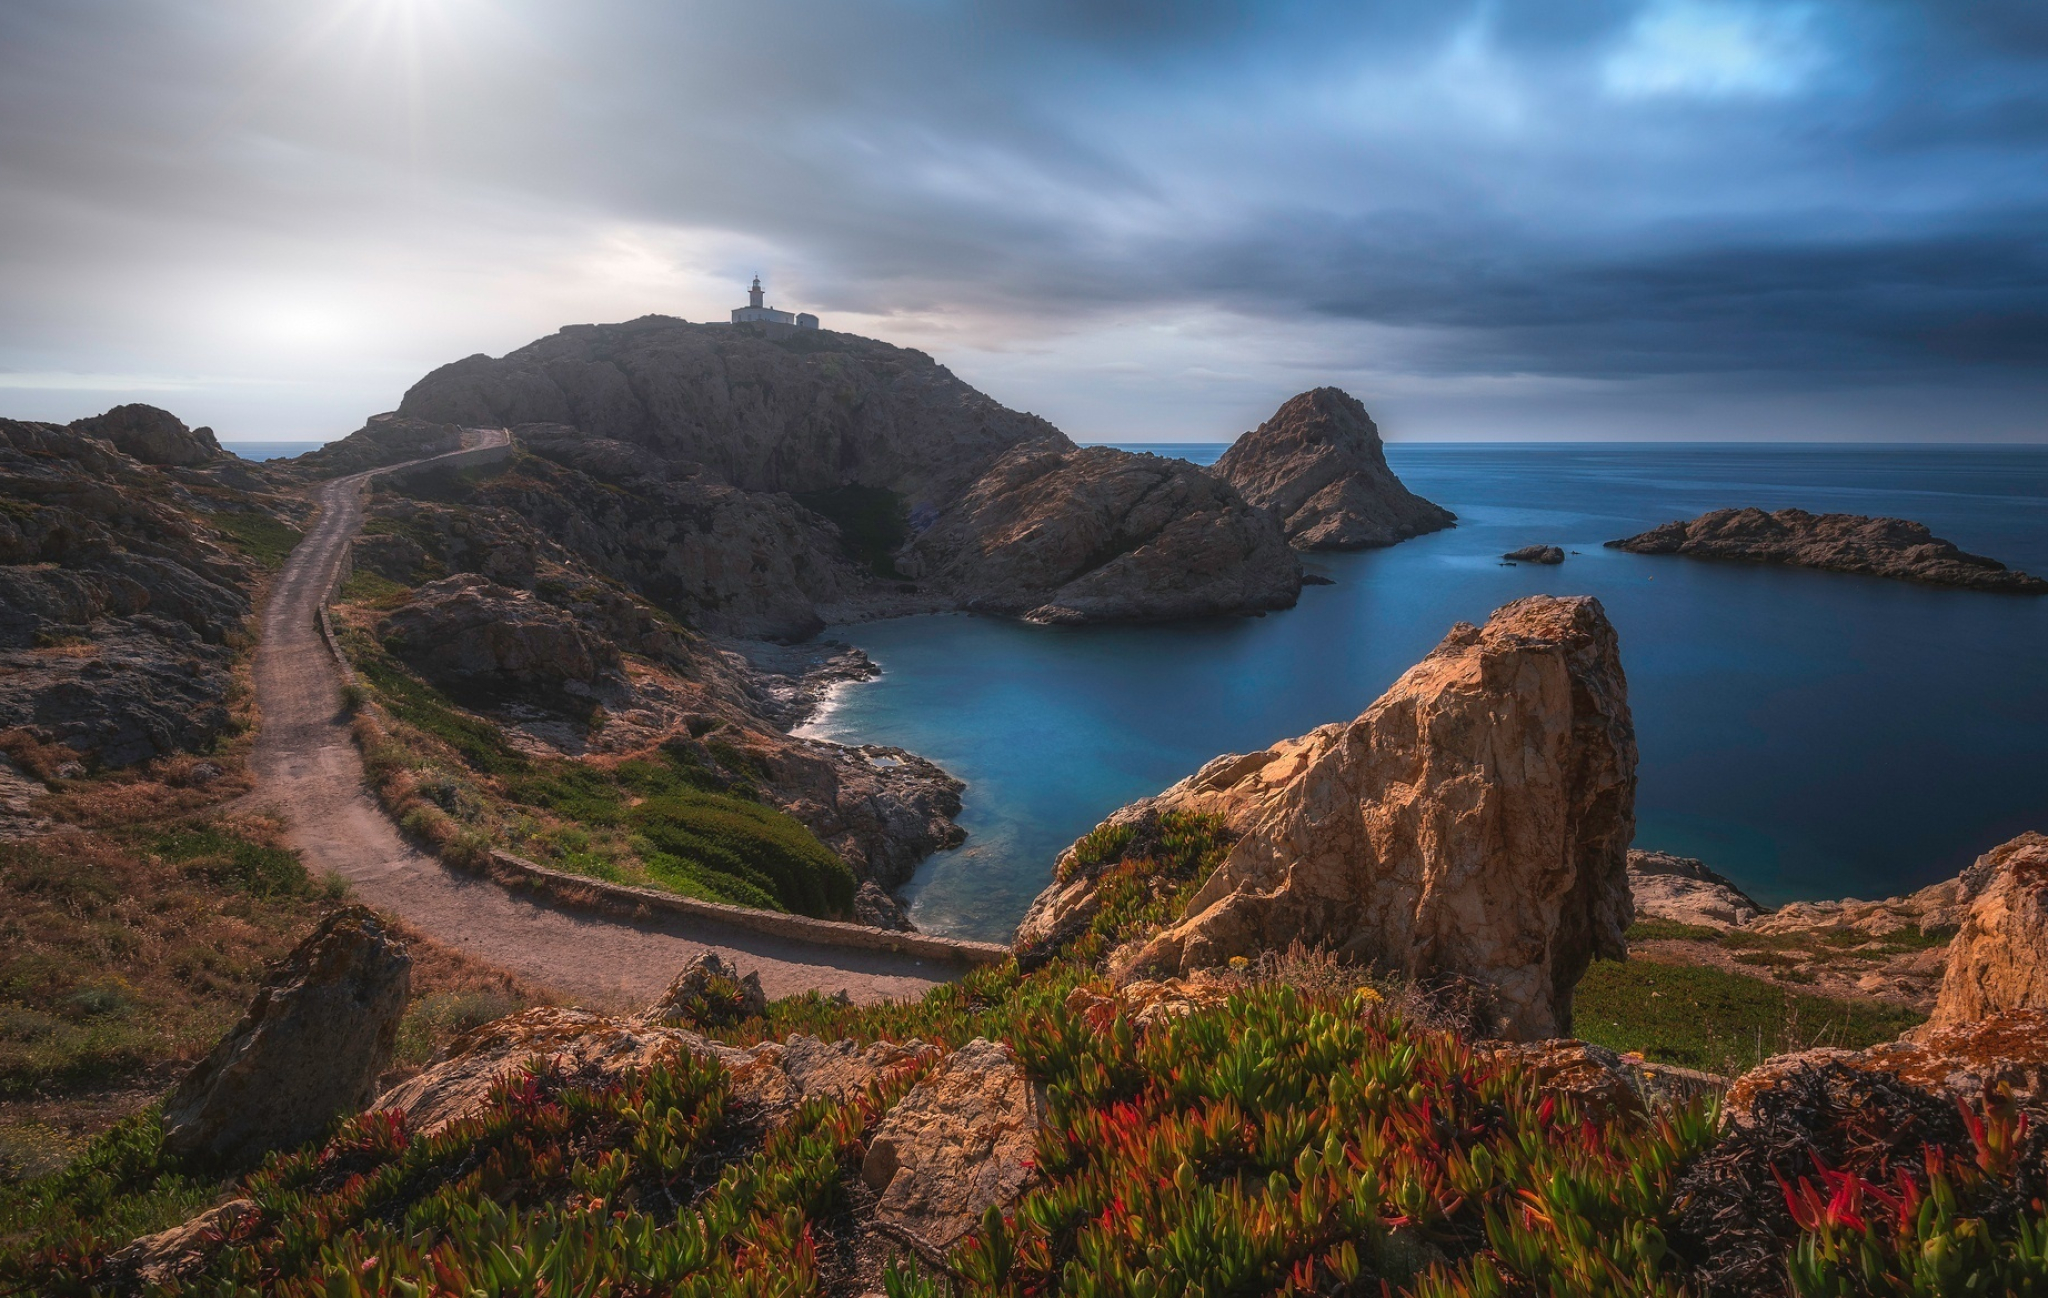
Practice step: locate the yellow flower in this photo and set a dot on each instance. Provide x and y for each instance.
(1370, 995)
(1239, 963)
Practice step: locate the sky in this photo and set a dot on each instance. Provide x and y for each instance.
(1606, 219)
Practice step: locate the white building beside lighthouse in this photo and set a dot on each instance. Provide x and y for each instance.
(767, 316)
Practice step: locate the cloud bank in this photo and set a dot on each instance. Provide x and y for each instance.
(1677, 218)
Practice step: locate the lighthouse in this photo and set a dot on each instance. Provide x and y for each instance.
(770, 320)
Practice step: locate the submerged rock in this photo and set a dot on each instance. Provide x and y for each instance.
(1999, 959)
(1684, 891)
(1319, 466)
(1473, 823)
(961, 1141)
(309, 1049)
(1878, 547)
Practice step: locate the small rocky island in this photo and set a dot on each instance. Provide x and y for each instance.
(1319, 466)
(1877, 547)
(1535, 554)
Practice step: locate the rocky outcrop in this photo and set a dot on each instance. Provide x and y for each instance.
(1999, 960)
(172, 1254)
(709, 992)
(309, 1049)
(1684, 891)
(1098, 535)
(1474, 823)
(1318, 464)
(1878, 547)
(773, 1078)
(383, 439)
(118, 595)
(960, 1142)
(151, 435)
(469, 633)
(1549, 554)
(874, 907)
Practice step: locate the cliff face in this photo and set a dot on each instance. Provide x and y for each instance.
(1999, 961)
(1877, 547)
(1318, 464)
(1474, 822)
(807, 412)
(1097, 535)
(772, 485)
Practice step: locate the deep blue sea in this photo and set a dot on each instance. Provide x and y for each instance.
(1810, 734)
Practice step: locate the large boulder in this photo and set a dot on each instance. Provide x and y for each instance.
(1473, 823)
(1102, 535)
(960, 1142)
(1318, 464)
(1999, 959)
(468, 631)
(309, 1049)
(151, 435)
(1684, 891)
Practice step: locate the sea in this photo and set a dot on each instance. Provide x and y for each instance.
(1809, 734)
(270, 450)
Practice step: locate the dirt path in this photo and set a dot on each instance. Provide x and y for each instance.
(308, 768)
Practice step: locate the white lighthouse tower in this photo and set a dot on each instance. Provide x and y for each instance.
(767, 317)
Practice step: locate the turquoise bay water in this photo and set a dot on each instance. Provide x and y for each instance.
(1810, 734)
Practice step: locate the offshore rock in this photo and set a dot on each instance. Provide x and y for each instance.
(1473, 823)
(309, 1049)
(1549, 554)
(1999, 960)
(1684, 891)
(151, 435)
(469, 631)
(1878, 547)
(960, 1142)
(1318, 464)
(1063, 536)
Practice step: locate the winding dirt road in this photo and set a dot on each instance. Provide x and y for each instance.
(307, 767)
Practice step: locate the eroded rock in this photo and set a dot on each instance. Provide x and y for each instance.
(1474, 822)
(1318, 464)
(710, 991)
(1879, 547)
(1684, 891)
(1999, 959)
(469, 631)
(309, 1049)
(958, 1143)
(173, 1254)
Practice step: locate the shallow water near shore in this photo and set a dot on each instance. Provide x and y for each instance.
(1809, 734)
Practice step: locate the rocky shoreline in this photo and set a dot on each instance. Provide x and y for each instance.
(1877, 547)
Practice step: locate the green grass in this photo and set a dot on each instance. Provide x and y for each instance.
(262, 538)
(122, 1186)
(480, 744)
(220, 857)
(1700, 1017)
(1665, 930)
(873, 523)
(365, 587)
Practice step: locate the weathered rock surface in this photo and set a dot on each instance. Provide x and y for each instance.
(774, 1077)
(1536, 554)
(1474, 822)
(151, 435)
(1999, 960)
(383, 439)
(310, 1047)
(958, 1143)
(118, 597)
(1878, 547)
(469, 632)
(1684, 891)
(172, 1254)
(873, 906)
(1593, 1077)
(1057, 535)
(1318, 464)
(709, 983)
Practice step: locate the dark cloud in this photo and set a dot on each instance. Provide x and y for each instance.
(1830, 194)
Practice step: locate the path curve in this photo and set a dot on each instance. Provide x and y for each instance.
(307, 767)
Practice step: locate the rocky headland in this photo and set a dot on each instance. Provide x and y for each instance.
(1877, 547)
(761, 486)
(1319, 466)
